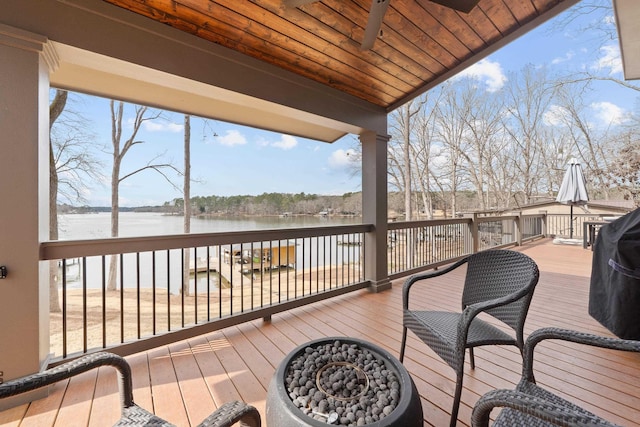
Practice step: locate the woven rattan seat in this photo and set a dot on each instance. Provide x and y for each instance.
(499, 283)
(132, 415)
(532, 406)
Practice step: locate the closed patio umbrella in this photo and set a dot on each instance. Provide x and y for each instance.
(573, 190)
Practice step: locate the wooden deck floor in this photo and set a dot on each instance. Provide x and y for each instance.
(186, 381)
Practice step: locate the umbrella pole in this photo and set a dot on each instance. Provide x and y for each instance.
(571, 222)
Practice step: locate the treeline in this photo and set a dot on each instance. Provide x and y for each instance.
(271, 204)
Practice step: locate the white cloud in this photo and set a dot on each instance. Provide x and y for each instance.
(232, 138)
(162, 127)
(340, 159)
(609, 60)
(488, 72)
(555, 115)
(560, 59)
(608, 113)
(286, 142)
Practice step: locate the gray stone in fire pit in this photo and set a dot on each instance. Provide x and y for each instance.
(292, 404)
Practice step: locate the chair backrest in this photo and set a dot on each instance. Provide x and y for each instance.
(497, 273)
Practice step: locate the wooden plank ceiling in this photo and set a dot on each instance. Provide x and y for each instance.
(421, 43)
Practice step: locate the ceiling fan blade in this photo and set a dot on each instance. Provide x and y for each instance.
(376, 15)
(464, 6)
(296, 3)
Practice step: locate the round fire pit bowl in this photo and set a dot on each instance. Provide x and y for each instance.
(342, 381)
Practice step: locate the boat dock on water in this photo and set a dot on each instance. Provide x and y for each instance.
(247, 258)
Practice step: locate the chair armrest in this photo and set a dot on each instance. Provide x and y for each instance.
(572, 336)
(73, 368)
(471, 311)
(232, 412)
(423, 276)
(532, 406)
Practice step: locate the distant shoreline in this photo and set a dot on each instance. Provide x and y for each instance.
(163, 210)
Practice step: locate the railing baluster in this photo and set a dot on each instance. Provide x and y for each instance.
(64, 308)
(104, 300)
(121, 257)
(138, 307)
(84, 304)
(168, 289)
(154, 320)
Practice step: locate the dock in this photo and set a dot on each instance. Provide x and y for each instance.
(238, 261)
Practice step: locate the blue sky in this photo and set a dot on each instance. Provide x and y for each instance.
(228, 159)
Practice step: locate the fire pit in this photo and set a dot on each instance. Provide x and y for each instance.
(342, 381)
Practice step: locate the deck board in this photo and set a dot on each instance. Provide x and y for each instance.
(185, 381)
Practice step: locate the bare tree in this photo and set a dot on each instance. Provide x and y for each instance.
(450, 130)
(187, 205)
(481, 114)
(55, 110)
(120, 150)
(626, 169)
(71, 167)
(528, 97)
(403, 124)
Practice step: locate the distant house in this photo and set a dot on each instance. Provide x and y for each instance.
(597, 208)
(559, 222)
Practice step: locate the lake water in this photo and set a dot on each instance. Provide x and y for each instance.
(98, 226)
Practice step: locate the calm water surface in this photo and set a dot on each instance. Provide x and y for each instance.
(98, 226)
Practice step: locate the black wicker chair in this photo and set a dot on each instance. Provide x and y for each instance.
(530, 405)
(499, 283)
(132, 415)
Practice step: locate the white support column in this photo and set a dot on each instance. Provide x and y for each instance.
(374, 208)
(24, 207)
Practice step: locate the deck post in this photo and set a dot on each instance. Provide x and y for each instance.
(374, 208)
(24, 217)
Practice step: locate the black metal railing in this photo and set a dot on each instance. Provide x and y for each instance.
(131, 294)
(416, 245)
(170, 287)
(419, 245)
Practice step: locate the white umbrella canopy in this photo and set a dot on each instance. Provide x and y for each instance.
(573, 190)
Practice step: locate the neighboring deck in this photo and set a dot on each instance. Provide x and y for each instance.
(184, 382)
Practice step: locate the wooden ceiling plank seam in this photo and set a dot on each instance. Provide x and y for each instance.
(269, 38)
(407, 46)
(474, 37)
(415, 72)
(478, 20)
(523, 10)
(404, 78)
(434, 28)
(347, 83)
(393, 42)
(542, 6)
(340, 85)
(356, 64)
(415, 35)
(511, 12)
(356, 88)
(456, 24)
(499, 14)
(423, 37)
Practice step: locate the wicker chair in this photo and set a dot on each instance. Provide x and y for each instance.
(499, 283)
(132, 415)
(531, 405)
